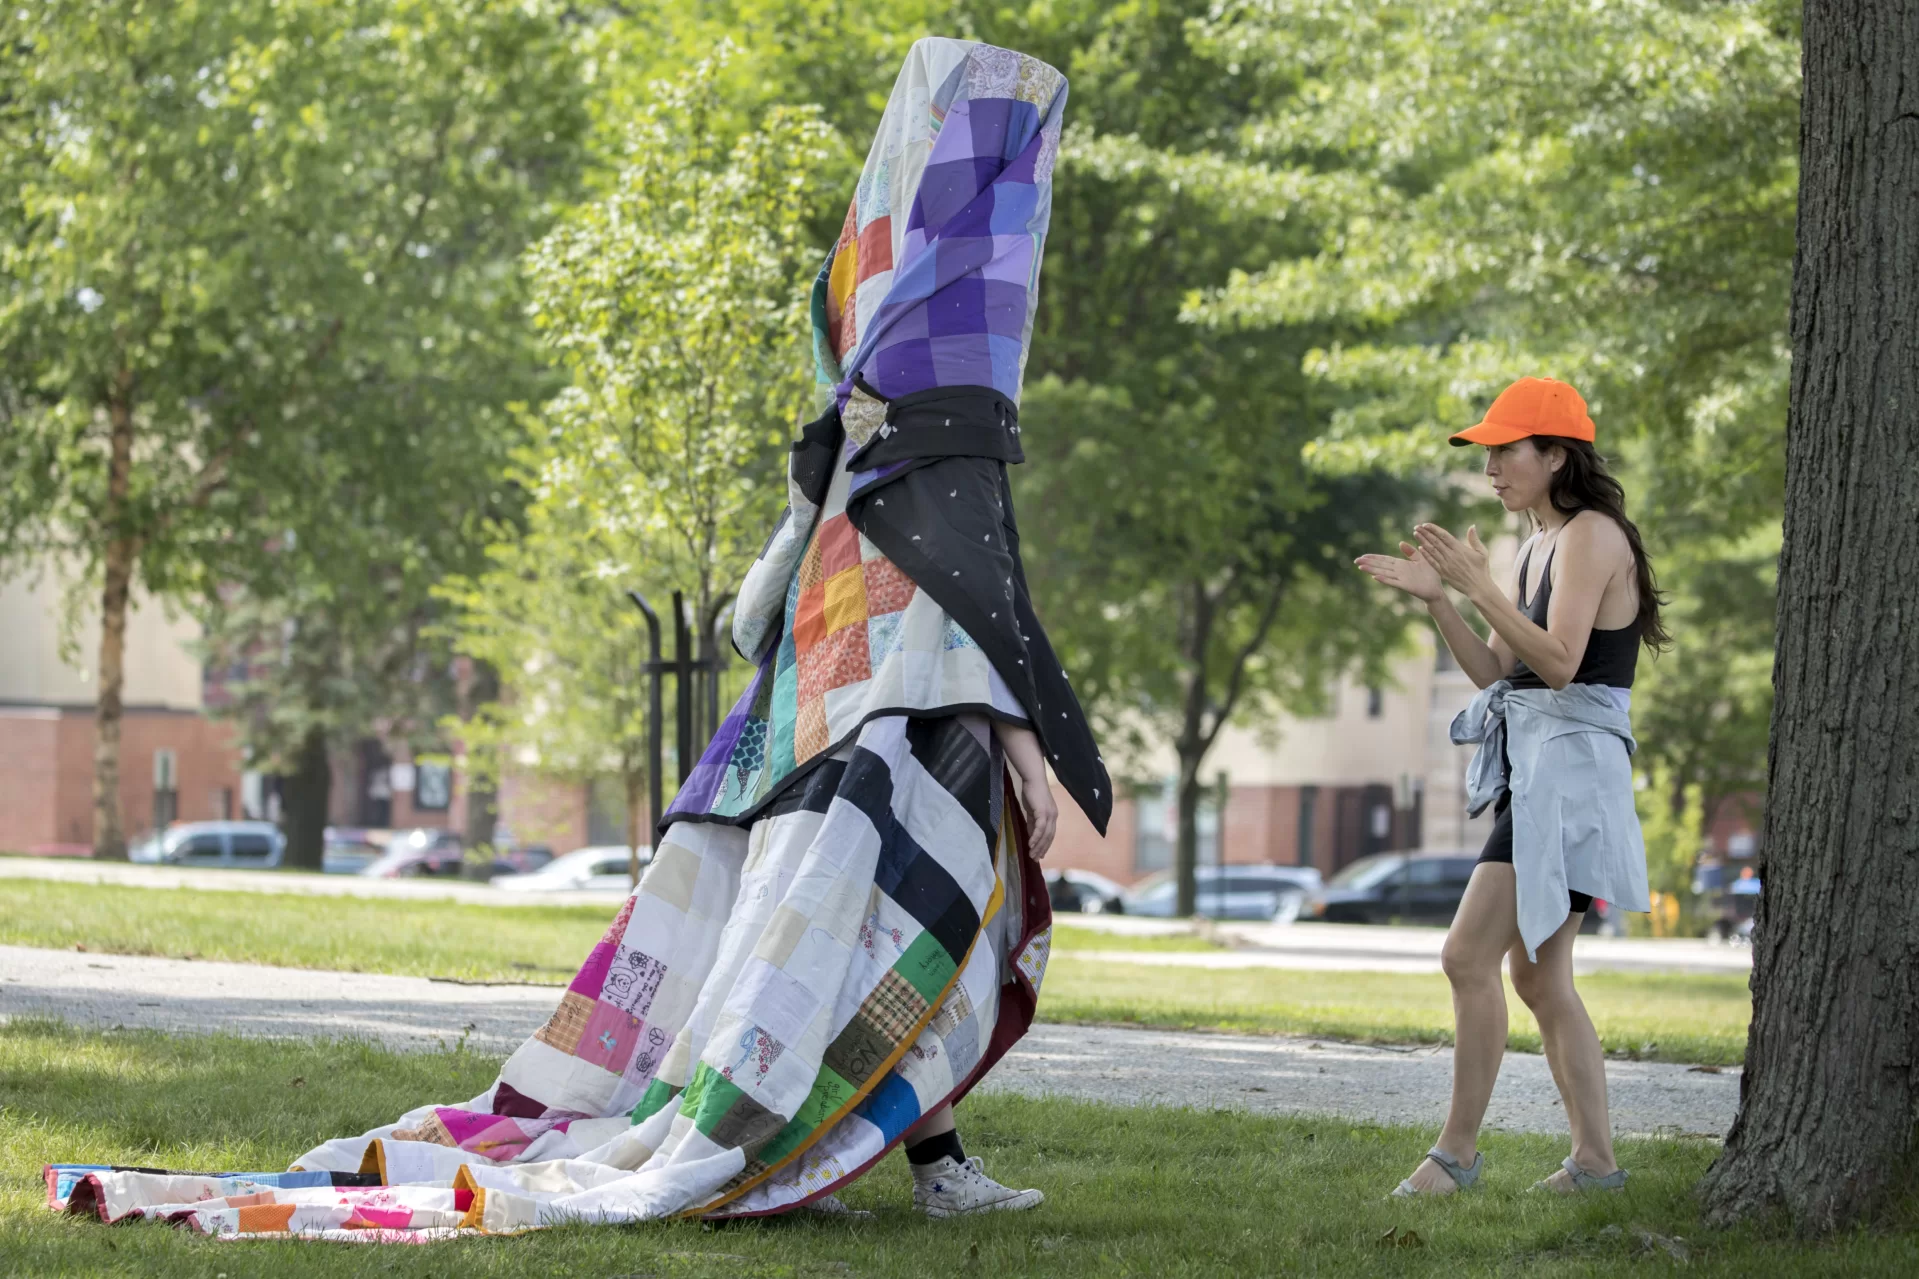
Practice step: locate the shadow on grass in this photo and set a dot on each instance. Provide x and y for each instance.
(1130, 1191)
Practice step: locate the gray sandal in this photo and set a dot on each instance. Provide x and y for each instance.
(1463, 1176)
(1584, 1181)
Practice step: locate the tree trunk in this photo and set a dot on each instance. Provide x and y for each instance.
(1827, 1103)
(1186, 845)
(482, 796)
(1189, 746)
(123, 548)
(305, 795)
(636, 832)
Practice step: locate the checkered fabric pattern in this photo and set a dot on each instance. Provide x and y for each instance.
(934, 282)
(859, 639)
(935, 276)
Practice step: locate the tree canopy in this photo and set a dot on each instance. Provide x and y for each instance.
(675, 308)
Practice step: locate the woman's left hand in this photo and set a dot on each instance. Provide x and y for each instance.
(1042, 817)
(1464, 566)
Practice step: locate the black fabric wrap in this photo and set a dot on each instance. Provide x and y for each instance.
(943, 421)
(946, 521)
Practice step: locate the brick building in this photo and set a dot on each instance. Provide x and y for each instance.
(175, 763)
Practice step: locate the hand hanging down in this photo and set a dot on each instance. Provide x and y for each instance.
(1036, 792)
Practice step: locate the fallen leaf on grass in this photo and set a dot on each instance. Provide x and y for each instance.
(299, 1081)
(1397, 1238)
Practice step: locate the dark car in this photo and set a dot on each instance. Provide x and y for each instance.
(1418, 888)
(1261, 892)
(422, 853)
(1084, 892)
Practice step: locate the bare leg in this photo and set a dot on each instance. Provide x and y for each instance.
(1572, 1048)
(935, 1123)
(1483, 930)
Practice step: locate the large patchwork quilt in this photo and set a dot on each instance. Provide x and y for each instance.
(840, 930)
(768, 1015)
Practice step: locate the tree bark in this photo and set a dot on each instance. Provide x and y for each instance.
(1190, 747)
(1828, 1099)
(123, 549)
(636, 832)
(1186, 843)
(306, 794)
(482, 796)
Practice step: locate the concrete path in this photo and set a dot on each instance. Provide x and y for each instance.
(1274, 1075)
(1313, 947)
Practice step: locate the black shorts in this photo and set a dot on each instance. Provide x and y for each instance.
(1499, 847)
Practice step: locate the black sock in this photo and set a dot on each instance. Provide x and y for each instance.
(934, 1149)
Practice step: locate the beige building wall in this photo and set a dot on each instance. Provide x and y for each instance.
(161, 671)
(47, 724)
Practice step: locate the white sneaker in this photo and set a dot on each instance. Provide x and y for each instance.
(946, 1188)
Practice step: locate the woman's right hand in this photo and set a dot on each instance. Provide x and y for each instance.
(1411, 574)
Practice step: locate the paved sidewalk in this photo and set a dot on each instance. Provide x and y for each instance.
(1128, 1067)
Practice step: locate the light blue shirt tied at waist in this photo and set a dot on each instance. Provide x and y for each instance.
(1574, 825)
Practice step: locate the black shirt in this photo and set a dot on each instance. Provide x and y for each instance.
(1611, 657)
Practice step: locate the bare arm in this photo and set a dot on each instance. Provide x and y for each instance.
(1590, 552)
(1483, 663)
(1036, 792)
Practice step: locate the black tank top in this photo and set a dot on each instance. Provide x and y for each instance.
(1611, 656)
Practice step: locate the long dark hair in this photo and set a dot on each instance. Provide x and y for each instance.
(1584, 484)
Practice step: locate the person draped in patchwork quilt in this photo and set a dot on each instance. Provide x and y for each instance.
(843, 927)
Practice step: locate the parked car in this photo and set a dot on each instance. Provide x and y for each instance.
(423, 853)
(1083, 892)
(225, 845)
(1275, 893)
(519, 860)
(348, 851)
(602, 869)
(1419, 888)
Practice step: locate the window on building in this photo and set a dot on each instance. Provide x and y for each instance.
(606, 812)
(1443, 659)
(166, 789)
(1375, 703)
(1156, 830)
(432, 787)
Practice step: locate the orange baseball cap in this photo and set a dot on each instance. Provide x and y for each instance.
(1531, 406)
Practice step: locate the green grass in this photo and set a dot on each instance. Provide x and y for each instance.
(417, 938)
(1663, 1016)
(1071, 937)
(1146, 1192)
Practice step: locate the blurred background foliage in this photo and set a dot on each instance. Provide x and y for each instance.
(344, 279)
